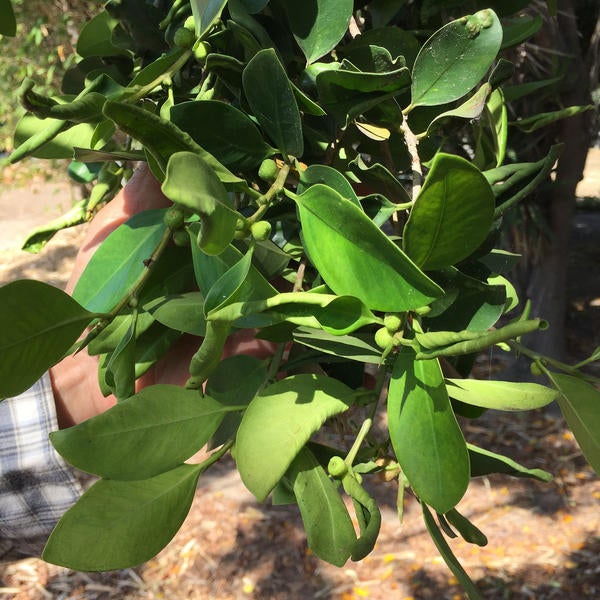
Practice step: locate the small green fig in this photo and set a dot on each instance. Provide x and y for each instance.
(268, 170)
(261, 230)
(174, 218)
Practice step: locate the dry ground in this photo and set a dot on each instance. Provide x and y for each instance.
(544, 539)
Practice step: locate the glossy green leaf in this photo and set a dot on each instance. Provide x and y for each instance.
(318, 25)
(206, 13)
(95, 38)
(470, 109)
(108, 339)
(444, 549)
(512, 298)
(485, 462)
(147, 434)
(161, 138)
(162, 65)
(358, 347)
(274, 106)
(356, 258)
(452, 215)
(329, 530)
(38, 325)
(496, 116)
(346, 92)
(279, 421)
(531, 124)
(330, 177)
(182, 312)
(8, 23)
(224, 131)
(121, 524)
(500, 395)
(455, 59)
(579, 402)
(119, 261)
(426, 438)
(191, 182)
(208, 269)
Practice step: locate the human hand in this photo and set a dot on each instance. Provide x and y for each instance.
(75, 379)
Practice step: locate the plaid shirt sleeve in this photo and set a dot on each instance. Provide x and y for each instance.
(36, 485)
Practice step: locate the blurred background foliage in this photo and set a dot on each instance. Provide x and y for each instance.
(43, 49)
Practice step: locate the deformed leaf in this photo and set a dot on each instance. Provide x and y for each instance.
(279, 421)
(359, 347)
(120, 524)
(531, 124)
(191, 182)
(426, 438)
(329, 530)
(450, 559)
(485, 462)
(356, 258)
(38, 325)
(147, 434)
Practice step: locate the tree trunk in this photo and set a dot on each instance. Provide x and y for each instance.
(545, 280)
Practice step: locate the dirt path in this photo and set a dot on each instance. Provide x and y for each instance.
(544, 539)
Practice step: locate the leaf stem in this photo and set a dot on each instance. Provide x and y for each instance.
(265, 200)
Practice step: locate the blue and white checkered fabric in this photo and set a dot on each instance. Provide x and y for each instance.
(36, 485)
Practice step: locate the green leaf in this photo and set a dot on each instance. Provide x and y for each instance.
(519, 28)
(161, 138)
(224, 131)
(346, 92)
(119, 261)
(192, 182)
(147, 434)
(455, 59)
(531, 124)
(108, 339)
(95, 38)
(157, 68)
(318, 25)
(444, 549)
(452, 215)
(467, 530)
(182, 312)
(356, 258)
(279, 421)
(484, 462)
(330, 177)
(38, 325)
(427, 440)
(40, 236)
(206, 13)
(579, 401)
(274, 106)
(120, 370)
(121, 524)
(500, 395)
(329, 530)
(359, 347)
(8, 23)
(470, 109)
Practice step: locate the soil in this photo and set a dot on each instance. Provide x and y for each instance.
(544, 539)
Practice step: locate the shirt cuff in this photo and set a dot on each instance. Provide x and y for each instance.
(37, 486)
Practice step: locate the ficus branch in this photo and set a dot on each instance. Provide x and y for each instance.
(412, 144)
(265, 200)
